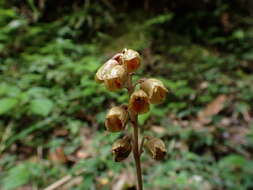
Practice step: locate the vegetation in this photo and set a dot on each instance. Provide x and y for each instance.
(52, 111)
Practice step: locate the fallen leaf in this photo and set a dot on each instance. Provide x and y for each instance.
(120, 183)
(61, 132)
(237, 135)
(212, 109)
(125, 179)
(58, 156)
(203, 85)
(82, 154)
(247, 117)
(158, 129)
(103, 181)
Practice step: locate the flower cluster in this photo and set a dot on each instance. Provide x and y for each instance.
(115, 75)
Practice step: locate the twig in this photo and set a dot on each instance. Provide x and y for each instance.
(59, 183)
(62, 181)
(73, 182)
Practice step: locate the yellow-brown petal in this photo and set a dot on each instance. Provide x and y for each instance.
(139, 102)
(118, 57)
(116, 119)
(131, 60)
(122, 148)
(116, 78)
(156, 148)
(155, 89)
(105, 69)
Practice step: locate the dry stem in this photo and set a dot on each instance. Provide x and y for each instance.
(134, 122)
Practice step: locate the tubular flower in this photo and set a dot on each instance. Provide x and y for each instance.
(116, 119)
(155, 89)
(131, 59)
(122, 148)
(156, 148)
(105, 69)
(139, 102)
(116, 78)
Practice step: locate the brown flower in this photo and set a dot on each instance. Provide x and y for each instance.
(122, 148)
(118, 57)
(116, 119)
(131, 59)
(156, 148)
(116, 78)
(139, 102)
(105, 69)
(155, 89)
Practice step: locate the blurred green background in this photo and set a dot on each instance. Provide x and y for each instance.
(52, 111)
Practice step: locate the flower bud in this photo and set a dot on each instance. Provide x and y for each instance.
(139, 102)
(131, 60)
(156, 148)
(155, 89)
(105, 69)
(122, 148)
(116, 119)
(116, 78)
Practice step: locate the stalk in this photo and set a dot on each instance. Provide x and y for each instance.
(136, 152)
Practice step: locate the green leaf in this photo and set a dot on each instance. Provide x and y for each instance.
(248, 56)
(232, 161)
(238, 34)
(41, 106)
(16, 177)
(143, 118)
(160, 19)
(6, 104)
(9, 90)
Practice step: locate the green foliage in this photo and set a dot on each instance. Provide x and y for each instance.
(16, 177)
(21, 174)
(41, 106)
(6, 104)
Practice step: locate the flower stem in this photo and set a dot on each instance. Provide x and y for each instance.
(136, 152)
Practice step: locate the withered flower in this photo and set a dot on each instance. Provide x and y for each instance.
(155, 89)
(156, 148)
(116, 119)
(139, 102)
(116, 78)
(131, 59)
(118, 57)
(122, 148)
(105, 69)
(118, 73)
